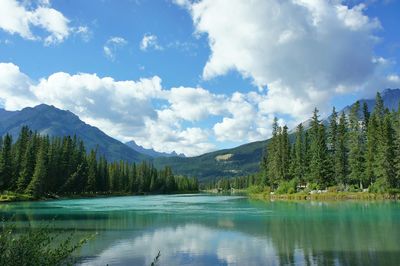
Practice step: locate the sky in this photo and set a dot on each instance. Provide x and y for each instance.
(196, 76)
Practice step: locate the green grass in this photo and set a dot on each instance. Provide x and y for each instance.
(12, 196)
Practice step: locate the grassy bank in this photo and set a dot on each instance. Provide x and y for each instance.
(325, 196)
(12, 196)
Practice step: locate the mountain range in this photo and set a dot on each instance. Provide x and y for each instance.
(237, 161)
(151, 152)
(49, 120)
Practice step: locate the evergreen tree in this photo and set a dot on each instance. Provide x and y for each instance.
(6, 167)
(21, 147)
(91, 185)
(35, 187)
(298, 159)
(386, 153)
(285, 154)
(27, 165)
(318, 164)
(356, 150)
(273, 156)
(341, 155)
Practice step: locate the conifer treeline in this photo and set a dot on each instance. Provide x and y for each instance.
(38, 165)
(352, 152)
(358, 150)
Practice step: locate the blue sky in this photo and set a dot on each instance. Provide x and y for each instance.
(201, 75)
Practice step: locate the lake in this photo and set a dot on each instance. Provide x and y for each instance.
(204, 229)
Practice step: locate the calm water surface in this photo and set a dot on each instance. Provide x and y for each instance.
(222, 230)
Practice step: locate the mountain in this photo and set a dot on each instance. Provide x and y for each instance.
(390, 98)
(238, 161)
(246, 158)
(51, 121)
(150, 152)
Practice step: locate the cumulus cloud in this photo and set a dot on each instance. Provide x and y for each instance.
(18, 18)
(112, 45)
(150, 41)
(126, 109)
(303, 51)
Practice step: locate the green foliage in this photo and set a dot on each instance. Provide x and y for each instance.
(349, 154)
(36, 247)
(379, 186)
(287, 187)
(62, 166)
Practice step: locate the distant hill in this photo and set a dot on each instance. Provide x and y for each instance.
(246, 158)
(55, 122)
(150, 152)
(238, 161)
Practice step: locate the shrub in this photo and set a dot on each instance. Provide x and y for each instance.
(287, 187)
(313, 186)
(379, 186)
(35, 247)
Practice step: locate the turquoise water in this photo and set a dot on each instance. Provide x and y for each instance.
(222, 230)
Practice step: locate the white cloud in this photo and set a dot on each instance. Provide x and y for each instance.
(304, 51)
(150, 41)
(126, 109)
(84, 32)
(18, 18)
(112, 45)
(175, 119)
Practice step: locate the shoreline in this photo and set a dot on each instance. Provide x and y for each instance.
(16, 197)
(328, 196)
(265, 196)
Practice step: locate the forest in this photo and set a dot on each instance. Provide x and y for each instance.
(351, 152)
(41, 166)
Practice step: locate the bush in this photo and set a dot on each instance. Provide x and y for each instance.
(313, 186)
(333, 189)
(353, 188)
(287, 187)
(35, 247)
(379, 186)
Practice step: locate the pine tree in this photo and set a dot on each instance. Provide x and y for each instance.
(341, 154)
(27, 165)
(35, 187)
(6, 160)
(356, 159)
(285, 154)
(386, 153)
(21, 147)
(273, 156)
(318, 150)
(366, 115)
(91, 185)
(298, 158)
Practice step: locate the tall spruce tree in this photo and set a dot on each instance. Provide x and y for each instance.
(273, 156)
(341, 154)
(6, 164)
(356, 149)
(285, 154)
(298, 158)
(318, 160)
(35, 187)
(91, 185)
(386, 153)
